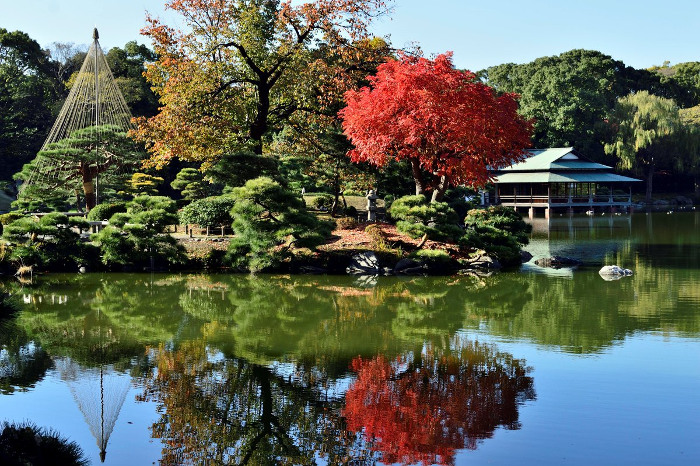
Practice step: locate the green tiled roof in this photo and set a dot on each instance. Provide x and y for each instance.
(551, 159)
(571, 177)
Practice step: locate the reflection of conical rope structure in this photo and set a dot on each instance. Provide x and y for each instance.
(99, 394)
(94, 100)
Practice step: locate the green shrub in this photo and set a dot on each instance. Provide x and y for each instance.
(105, 211)
(48, 242)
(269, 221)
(500, 231)
(379, 239)
(322, 202)
(208, 212)
(135, 237)
(351, 211)
(190, 182)
(417, 217)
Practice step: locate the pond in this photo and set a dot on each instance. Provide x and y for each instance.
(538, 366)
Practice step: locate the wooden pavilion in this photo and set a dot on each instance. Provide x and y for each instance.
(560, 178)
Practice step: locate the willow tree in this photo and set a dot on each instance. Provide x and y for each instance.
(240, 69)
(647, 129)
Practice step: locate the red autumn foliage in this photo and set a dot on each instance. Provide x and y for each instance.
(443, 120)
(424, 410)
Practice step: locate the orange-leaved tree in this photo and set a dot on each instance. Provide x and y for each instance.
(239, 69)
(448, 124)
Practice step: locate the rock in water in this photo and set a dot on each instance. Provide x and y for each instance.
(614, 272)
(365, 263)
(557, 262)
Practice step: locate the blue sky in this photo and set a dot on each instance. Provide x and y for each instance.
(481, 33)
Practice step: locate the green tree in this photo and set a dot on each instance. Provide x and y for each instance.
(143, 183)
(209, 212)
(690, 161)
(417, 217)
(268, 222)
(569, 96)
(28, 95)
(647, 131)
(128, 65)
(190, 182)
(72, 166)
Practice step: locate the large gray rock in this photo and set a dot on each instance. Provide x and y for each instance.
(410, 267)
(557, 262)
(365, 263)
(614, 272)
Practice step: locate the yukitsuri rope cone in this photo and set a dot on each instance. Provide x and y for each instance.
(94, 110)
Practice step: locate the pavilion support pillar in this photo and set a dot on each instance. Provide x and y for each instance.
(531, 212)
(546, 212)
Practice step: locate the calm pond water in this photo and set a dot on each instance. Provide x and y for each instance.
(529, 367)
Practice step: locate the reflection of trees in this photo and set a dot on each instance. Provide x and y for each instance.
(423, 407)
(100, 319)
(228, 411)
(23, 363)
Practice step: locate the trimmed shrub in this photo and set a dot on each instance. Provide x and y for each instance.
(47, 242)
(500, 231)
(418, 217)
(322, 202)
(135, 237)
(346, 223)
(208, 212)
(105, 211)
(269, 221)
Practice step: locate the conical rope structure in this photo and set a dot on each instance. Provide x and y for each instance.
(94, 102)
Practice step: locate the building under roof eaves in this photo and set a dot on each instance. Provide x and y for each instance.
(561, 178)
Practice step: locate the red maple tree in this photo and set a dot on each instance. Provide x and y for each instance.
(448, 124)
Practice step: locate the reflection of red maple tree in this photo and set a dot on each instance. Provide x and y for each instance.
(423, 409)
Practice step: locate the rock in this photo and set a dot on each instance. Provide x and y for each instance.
(661, 203)
(409, 267)
(481, 261)
(525, 256)
(614, 272)
(312, 270)
(557, 262)
(82, 269)
(365, 263)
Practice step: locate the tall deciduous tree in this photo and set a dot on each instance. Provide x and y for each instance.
(645, 125)
(450, 126)
(240, 69)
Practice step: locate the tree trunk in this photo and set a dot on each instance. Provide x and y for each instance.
(650, 177)
(259, 126)
(440, 189)
(89, 191)
(418, 177)
(422, 241)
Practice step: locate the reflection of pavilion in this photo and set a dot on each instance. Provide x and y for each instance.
(585, 238)
(99, 394)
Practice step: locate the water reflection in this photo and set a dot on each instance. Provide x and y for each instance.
(423, 407)
(297, 369)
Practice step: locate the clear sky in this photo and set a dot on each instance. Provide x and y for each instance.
(481, 33)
